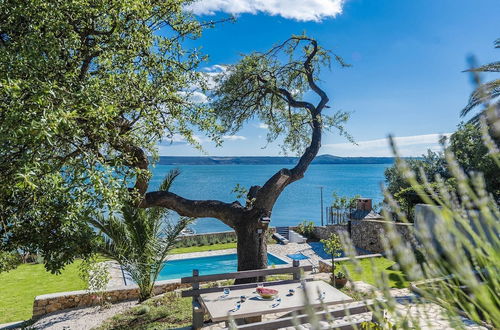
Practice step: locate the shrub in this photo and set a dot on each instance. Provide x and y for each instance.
(333, 246)
(144, 309)
(306, 228)
(9, 261)
(96, 275)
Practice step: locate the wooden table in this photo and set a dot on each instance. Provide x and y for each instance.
(220, 307)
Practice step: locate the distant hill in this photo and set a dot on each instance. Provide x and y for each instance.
(257, 160)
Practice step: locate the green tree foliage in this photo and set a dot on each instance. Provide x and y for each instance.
(95, 274)
(306, 228)
(9, 261)
(343, 202)
(271, 86)
(333, 246)
(471, 154)
(140, 239)
(87, 89)
(431, 164)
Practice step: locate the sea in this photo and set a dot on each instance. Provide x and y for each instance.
(300, 201)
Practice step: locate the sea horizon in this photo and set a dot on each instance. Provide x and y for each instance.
(299, 201)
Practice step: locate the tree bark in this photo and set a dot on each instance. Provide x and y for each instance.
(251, 248)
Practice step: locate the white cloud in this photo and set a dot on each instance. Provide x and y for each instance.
(263, 126)
(195, 96)
(301, 10)
(215, 68)
(234, 137)
(211, 73)
(407, 146)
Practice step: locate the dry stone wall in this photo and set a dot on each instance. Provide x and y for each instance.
(368, 234)
(324, 232)
(49, 303)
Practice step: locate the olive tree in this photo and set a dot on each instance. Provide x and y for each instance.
(270, 86)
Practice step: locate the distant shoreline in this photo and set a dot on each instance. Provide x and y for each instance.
(269, 160)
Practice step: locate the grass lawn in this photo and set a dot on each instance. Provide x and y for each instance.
(371, 270)
(19, 287)
(221, 246)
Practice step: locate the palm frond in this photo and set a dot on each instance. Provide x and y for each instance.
(482, 95)
(140, 239)
(169, 179)
(485, 92)
(491, 67)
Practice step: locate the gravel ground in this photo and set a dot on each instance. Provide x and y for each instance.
(80, 318)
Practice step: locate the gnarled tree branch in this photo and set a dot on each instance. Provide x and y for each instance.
(266, 196)
(226, 212)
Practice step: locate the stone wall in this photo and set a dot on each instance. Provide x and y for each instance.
(217, 235)
(324, 232)
(369, 234)
(49, 303)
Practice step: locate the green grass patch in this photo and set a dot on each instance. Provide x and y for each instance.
(372, 268)
(221, 246)
(165, 312)
(19, 287)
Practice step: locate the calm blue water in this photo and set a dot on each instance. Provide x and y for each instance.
(226, 263)
(300, 200)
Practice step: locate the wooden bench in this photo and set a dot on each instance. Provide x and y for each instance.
(198, 311)
(325, 315)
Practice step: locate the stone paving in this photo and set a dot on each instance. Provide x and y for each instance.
(281, 251)
(115, 274)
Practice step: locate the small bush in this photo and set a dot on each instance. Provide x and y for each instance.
(306, 229)
(144, 309)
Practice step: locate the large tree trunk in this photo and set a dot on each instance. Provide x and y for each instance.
(252, 248)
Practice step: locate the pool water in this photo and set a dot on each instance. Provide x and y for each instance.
(297, 256)
(226, 263)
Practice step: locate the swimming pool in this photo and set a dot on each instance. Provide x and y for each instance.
(225, 263)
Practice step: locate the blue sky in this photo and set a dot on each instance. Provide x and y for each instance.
(407, 59)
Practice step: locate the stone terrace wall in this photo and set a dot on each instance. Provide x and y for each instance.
(220, 234)
(368, 234)
(49, 303)
(324, 232)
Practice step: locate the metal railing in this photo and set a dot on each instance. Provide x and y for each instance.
(337, 216)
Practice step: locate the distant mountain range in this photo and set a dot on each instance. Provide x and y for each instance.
(257, 160)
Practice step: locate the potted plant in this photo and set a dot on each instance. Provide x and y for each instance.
(340, 280)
